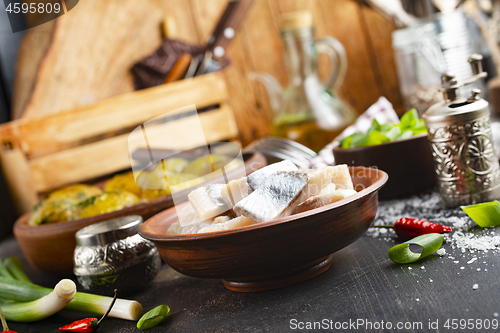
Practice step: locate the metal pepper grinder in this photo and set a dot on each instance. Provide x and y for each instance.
(459, 133)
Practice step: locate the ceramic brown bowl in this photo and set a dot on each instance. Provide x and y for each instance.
(49, 247)
(408, 163)
(272, 254)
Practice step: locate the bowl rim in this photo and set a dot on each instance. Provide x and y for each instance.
(382, 178)
(21, 224)
(357, 149)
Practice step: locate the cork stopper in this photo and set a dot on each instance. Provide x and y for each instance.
(296, 20)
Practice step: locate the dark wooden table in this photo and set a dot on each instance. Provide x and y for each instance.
(362, 291)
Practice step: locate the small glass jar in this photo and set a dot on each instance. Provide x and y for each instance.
(426, 50)
(112, 255)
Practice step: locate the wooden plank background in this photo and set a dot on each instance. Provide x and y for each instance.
(365, 35)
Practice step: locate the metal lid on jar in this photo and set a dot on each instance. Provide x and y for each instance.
(109, 231)
(443, 113)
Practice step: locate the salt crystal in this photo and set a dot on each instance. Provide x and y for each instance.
(479, 269)
(475, 286)
(382, 230)
(441, 252)
(422, 267)
(410, 268)
(462, 267)
(417, 299)
(472, 260)
(456, 262)
(430, 280)
(495, 314)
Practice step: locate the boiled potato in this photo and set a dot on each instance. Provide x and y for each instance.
(203, 165)
(107, 202)
(61, 205)
(186, 180)
(123, 182)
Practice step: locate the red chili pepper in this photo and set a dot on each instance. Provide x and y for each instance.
(87, 325)
(408, 228)
(9, 331)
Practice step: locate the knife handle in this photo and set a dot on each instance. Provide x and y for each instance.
(227, 27)
(180, 68)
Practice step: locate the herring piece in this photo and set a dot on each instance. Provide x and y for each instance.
(221, 219)
(207, 201)
(323, 177)
(239, 221)
(276, 197)
(322, 199)
(320, 179)
(187, 215)
(328, 189)
(176, 229)
(234, 191)
(341, 177)
(258, 177)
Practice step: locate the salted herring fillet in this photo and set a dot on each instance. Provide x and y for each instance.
(187, 215)
(276, 197)
(235, 191)
(320, 179)
(341, 177)
(323, 199)
(239, 221)
(221, 219)
(258, 177)
(176, 229)
(207, 201)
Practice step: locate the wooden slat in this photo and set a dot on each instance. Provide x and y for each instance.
(112, 155)
(33, 48)
(342, 20)
(378, 31)
(180, 11)
(115, 113)
(19, 179)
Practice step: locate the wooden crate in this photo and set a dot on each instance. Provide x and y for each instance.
(41, 154)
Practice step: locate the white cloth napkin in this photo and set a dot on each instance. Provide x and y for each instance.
(382, 110)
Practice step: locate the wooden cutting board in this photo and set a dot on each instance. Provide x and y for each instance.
(84, 55)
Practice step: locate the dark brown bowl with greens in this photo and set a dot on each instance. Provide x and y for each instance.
(408, 162)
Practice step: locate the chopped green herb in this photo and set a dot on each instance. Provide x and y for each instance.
(153, 317)
(486, 214)
(409, 126)
(401, 253)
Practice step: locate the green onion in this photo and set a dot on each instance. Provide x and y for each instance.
(153, 317)
(20, 291)
(43, 307)
(5, 327)
(409, 126)
(4, 272)
(13, 265)
(485, 214)
(401, 253)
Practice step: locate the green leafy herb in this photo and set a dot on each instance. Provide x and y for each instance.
(153, 317)
(409, 126)
(486, 214)
(401, 253)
